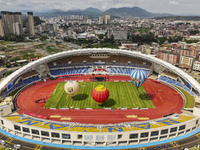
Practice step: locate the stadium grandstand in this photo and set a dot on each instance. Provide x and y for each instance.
(34, 107)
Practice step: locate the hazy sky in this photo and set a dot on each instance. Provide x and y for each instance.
(156, 6)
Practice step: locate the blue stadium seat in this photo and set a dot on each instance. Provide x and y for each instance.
(22, 83)
(176, 83)
(68, 71)
(123, 70)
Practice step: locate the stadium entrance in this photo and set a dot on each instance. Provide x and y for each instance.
(99, 79)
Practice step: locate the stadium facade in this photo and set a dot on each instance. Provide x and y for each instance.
(104, 136)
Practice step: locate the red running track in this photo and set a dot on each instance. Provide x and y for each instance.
(166, 100)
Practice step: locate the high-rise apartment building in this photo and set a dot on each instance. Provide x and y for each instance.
(30, 25)
(104, 19)
(18, 20)
(9, 22)
(169, 57)
(1, 28)
(16, 27)
(101, 20)
(107, 19)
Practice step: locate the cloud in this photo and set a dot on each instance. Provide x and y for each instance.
(106, 4)
(173, 2)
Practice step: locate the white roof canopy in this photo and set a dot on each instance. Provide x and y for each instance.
(49, 58)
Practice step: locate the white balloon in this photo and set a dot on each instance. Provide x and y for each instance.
(71, 88)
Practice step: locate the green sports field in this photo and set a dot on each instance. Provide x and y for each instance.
(122, 95)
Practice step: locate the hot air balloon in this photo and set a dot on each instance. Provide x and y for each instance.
(71, 88)
(100, 94)
(138, 77)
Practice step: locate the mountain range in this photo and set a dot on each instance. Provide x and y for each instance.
(132, 12)
(123, 12)
(91, 12)
(128, 12)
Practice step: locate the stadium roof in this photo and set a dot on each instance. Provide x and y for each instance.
(49, 58)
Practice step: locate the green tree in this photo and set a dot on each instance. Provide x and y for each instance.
(13, 37)
(37, 21)
(101, 36)
(194, 32)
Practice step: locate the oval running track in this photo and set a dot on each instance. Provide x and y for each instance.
(166, 101)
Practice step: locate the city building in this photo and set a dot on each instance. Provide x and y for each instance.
(101, 20)
(169, 57)
(194, 37)
(18, 20)
(12, 22)
(196, 66)
(104, 19)
(146, 49)
(89, 21)
(187, 51)
(1, 28)
(16, 27)
(43, 27)
(99, 32)
(186, 62)
(180, 54)
(129, 46)
(52, 27)
(117, 34)
(30, 25)
(6, 22)
(3, 60)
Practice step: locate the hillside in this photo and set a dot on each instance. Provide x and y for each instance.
(128, 12)
(124, 12)
(91, 12)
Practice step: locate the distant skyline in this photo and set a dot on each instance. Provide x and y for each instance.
(155, 6)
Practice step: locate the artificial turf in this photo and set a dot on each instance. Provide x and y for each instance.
(122, 95)
(190, 100)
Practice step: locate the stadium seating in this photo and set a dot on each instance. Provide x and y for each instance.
(68, 71)
(76, 127)
(22, 83)
(123, 70)
(176, 83)
(170, 75)
(82, 70)
(29, 74)
(99, 70)
(75, 61)
(78, 61)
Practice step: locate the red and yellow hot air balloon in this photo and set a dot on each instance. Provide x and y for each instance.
(100, 94)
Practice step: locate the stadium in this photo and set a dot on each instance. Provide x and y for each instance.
(164, 109)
